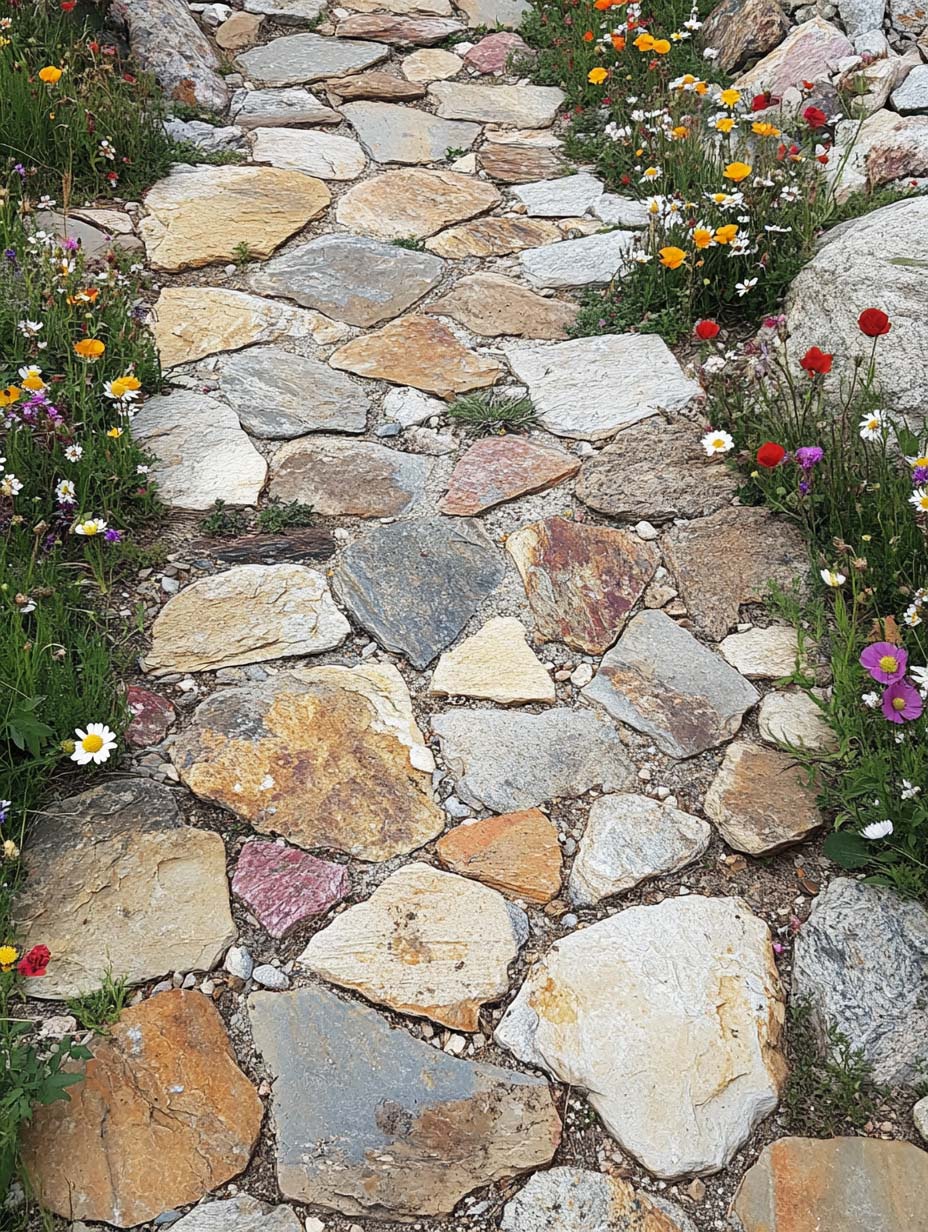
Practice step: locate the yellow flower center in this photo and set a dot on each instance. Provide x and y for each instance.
(89, 528)
(889, 663)
(92, 743)
(898, 703)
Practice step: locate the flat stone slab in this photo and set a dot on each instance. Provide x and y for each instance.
(496, 664)
(850, 1183)
(410, 407)
(519, 164)
(375, 84)
(434, 8)
(163, 1084)
(496, 469)
(248, 614)
(493, 52)
(759, 800)
(508, 760)
(417, 351)
(327, 757)
(431, 64)
(581, 581)
(350, 277)
(239, 1214)
(589, 388)
(413, 203)
(167, 42)
(795, 719)
(574, 1200)
(395, 134)
(494, 13)
(193, 322)
(762, 654)
(517, 853)
(808, 53)
(344, 478)
(117, 881)
(287, 12)
(669, 1017)
(284, 887)
(492, 237)
(491, 305)
(395, 1128)
(400, 30)
(277, 108)
(425, 943)
(729, 558)
(414, 585)
(278, 395)
(629, 839)
(201, 453)
(518, 106)
(591, 261)
(661, 681)
(861, 962)
(199, 215)
(152, 715)
(624, 481)
(570, 196)
(330, 156)
(300, 59)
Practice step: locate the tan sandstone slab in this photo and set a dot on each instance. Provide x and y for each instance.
(329, 156)
(193, 322)
(401, 30)
(328, 757)
(493, 237)
(116, 882)
(491, 305)
(431, 64)
(762, 654)
(794, 718)
(426, 943)
(517, 853)
(354, 478)
(198, 215)
(417, 351)
(496, 664)
(413, 203)
(375, 84)
(248, 614)
(759, 800)
(501, 468)
(163, 1088)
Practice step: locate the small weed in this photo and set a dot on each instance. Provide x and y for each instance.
(280, 515)
(221, 521)
(453, 152)
(484, 414)
(242, 254)
(830, 1089)
(411, 243)
(97, 1011)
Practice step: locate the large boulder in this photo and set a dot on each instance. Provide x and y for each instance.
(167, 42)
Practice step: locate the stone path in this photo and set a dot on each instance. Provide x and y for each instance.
(437, 815)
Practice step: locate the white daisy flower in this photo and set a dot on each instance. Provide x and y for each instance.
(29, 329)
(877, 829)
(871, 426)
(831, 577)
(65, 492)
(74, 453)
(744, 287)
(919, 499)
(89, 527)
(10, 485)
(93, 745)
(717, 442)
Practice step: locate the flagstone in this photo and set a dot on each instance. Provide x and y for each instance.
(116, 882)
(519, 106)
(617, 211)
(330, 156)
(278, 108)
(426, 943)
(496, 469)
(395, 1128)
(239, 31)
(396, 134)
(591, 260)
(762, 654)
(493, 52)
(163, 1085)
(495, 664)
(239, 1214)
(421, 8)
(401, 30)
(569, 196)
(193, 322)
(350, 277)
(582, 581)
(431, 64)
(300, 59)
(516, 853)
(327, 757)
(344, 478)
(516, 164)
(413, 203)
(417, 351)
(795, 719)
(494, 13)
(277, 394)
(575, 1200)
(376, 84)
(287, 12)
(409, 407)
(284, 887)
(167, 42)
(201, 453)
(248, 614)
(199, 215)
(661, 681)
(414, 585)
(492, 237)
(506, 759)
(491, 305)
(759, 800)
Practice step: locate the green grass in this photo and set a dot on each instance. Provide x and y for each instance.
(830, 1090)
(486, 413)
(97, 1011)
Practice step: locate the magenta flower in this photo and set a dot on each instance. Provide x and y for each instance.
(902, 702)
(809, 455)
(884, 661)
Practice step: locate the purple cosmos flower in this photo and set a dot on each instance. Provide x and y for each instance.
(70, 244)
(902, 702)
(809, 455)
(112, 536)
(884, 661)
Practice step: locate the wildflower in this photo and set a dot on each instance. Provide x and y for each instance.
(68, 6)
(871, 426)
(919, 499)
(884, 661)
(815, 117)
(65, 492)
(74, 453)
(877, 829)
(770, 455)
(737, 171)
(618, 42)
(31, 377)
(596, 76)
(743, 287)
(50, 74)
(89, 527)
(763, 129)
(35, 963)
(89, 348)
(115, 433)
(760, 102)
(11, 394)
(8, 957)
(902, 702)
(724, 124)
(644, 42)
(870, 700)
(680, 132)
(874, 323)
(672, 257)
(702, 237)
(29, 329)
(816, 362)
(650, 174)
(4, 810)
(9, 849)
(123, 388)
(706, 330)
(909, 790)
(809, 455)
(717, 442)
(832, 578)
(724, 235)
(730, 97)
(93, 745)
(10, 485)
(660, 47)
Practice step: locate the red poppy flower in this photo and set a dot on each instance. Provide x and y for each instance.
(816, 362)
(760, 102)
(706, 330)
(68, 6)
(874, 322)
(35, 962)
(770, 454)
(815, 117)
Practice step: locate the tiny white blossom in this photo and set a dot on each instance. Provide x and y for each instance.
(909, 790)
(831, 577)
(74, 453)
(717, 442)
(743, 287)
(871, 426)
(65, 492)
(871, 700)
(10, 485)
(878, 829)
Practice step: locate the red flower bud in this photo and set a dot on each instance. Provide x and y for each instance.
(816, 362)
(706, 330)
(874, 322)
(770, 455)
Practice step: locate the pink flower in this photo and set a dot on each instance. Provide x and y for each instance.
(884, 661)
(902, 702)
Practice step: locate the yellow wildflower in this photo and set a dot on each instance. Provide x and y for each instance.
(737, 171)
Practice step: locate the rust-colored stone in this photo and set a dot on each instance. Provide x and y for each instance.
(163, 1116)
(520, 164)
(517, 853)
(376, 84)
(501, 468)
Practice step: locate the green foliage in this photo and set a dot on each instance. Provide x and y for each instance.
(486, 413)
(278, 515)
(830, 1090)
(453, 152)
(222, 521)
(97, 1011)
(411, 243)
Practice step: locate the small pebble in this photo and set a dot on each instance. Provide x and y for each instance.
(207, 987)
(457, 808)
(388, 429)
(581, 675)
(455, 1045)
(569, 920)
(314, 1225)
(644, 530)
(238, 962)
(162, 986)
(269, 977)
(570, 846)
(696, 1190)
